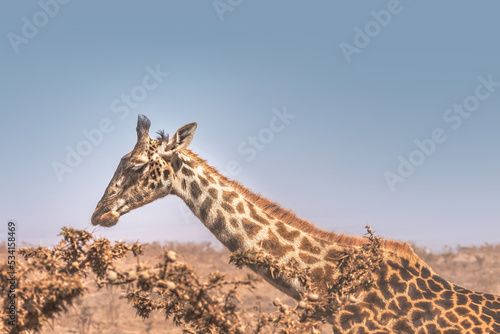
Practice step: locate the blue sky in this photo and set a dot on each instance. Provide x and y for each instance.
(393, 111)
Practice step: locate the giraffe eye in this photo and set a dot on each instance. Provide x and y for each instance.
(139, 167)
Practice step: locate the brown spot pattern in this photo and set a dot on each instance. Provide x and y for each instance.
(219, 224)
(234, 223)
(176, 164)
(318, 276)
(186, 171)
(308, 259)
(307, 246)
(235, 242)
(285, 233)
(228, 208)
(251, 228)
(240, 208)
(322, 242)
(255, 216)
(328, 271)
(205, 208)
(213, 193)
(203, 181)
(274, 247)
(195, 190)
(228, 196)
(211, 179)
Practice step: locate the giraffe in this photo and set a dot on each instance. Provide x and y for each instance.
(406, 295)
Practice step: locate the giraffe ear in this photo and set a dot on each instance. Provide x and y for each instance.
(181, 140)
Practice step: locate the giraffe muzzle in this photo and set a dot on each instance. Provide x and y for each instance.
(106, 219)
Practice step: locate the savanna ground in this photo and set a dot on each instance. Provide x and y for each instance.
(105, 310)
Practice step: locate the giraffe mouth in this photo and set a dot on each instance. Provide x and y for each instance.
(106, 219)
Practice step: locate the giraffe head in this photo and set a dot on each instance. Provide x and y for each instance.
(143, 175)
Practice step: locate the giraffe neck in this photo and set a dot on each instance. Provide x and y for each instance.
(212, 199)
(242, 220)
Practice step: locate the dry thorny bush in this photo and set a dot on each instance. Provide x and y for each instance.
(51, 279)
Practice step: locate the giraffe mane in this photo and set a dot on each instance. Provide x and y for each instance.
(288, 217)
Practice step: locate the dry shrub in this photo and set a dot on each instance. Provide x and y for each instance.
(49, 280)
(213, 306)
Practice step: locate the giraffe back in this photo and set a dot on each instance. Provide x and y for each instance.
(409, 298)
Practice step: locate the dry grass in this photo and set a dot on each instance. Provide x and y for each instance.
(92, 293)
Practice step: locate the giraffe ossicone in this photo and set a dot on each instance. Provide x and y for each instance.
(404, 295)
